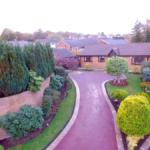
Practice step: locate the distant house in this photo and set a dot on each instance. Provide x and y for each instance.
(95, 56)
(114, 41)
(51, 42)
(75, 45)
(60, 54)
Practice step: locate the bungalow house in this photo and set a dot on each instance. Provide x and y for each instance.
(95, 56)
(75, 45)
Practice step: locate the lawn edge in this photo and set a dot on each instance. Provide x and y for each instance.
(68, 126)
(120, 145)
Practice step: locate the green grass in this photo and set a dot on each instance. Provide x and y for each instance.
(133, 85)
(58, 123)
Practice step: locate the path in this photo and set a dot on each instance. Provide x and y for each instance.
(93, 129)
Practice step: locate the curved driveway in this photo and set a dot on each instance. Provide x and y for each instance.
(93, 129)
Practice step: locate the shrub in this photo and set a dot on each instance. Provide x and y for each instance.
(133, 116)
(21, 123)
(14, 74)
(55, 94)
(39, 58)
(46, 105)
(34, 82)
(61, 72)
(1, 147)
(47, 91)
(147, 89)
(57, 82)
(119, 94)
(145, 70)
(145, 95)
(144, 84)
(68, 63)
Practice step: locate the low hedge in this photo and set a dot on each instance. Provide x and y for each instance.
(119, 94)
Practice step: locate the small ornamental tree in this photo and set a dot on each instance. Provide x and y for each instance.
(117, 66)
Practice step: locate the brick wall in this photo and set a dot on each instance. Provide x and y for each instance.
(102, 65)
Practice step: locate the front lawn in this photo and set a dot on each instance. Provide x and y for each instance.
(133, 85)
(49, 134)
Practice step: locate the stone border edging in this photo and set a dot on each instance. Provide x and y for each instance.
(64, 132)
(120, 145)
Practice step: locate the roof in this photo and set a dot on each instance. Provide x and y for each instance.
(114, 41)
(98, 49)
(132, 49)
(62, 53)
(81, 42)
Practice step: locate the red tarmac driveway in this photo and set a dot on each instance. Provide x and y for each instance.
(94, 128)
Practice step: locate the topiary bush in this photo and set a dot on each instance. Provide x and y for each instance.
(34, 82)
(14, 74)
(119, 94)
(57, 82)
(39, 58)
(133, 117)
(46, 105)
(21, 123)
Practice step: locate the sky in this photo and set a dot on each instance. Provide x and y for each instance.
(81, 16)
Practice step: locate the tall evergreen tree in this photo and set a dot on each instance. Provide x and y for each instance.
(147, 31)
(138, 32)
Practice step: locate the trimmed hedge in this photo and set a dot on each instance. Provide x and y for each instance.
(39, 58)
(14, 74)
(133, 116)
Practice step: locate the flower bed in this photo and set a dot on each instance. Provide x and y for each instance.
(116, 105)
(10, 142)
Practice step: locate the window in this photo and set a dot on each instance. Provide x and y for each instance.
(87, 59)
(137, 60)
(101, 59)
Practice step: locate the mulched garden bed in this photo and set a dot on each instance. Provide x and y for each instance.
(11, 142)
(116, 106)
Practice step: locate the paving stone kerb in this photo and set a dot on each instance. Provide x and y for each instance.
(15, 102)
(118, 134)
(67, 128)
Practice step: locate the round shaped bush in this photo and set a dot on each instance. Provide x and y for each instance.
(119, 94)
(133, 116)
(145, 94)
